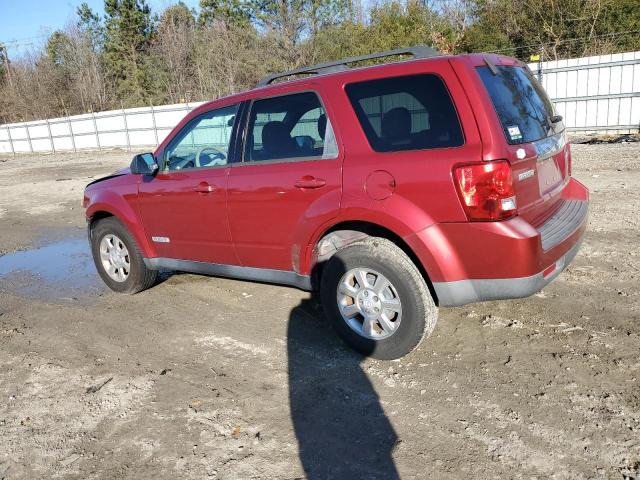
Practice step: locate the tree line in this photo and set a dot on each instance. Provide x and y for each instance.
(131, 56)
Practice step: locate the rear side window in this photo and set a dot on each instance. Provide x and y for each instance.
(522, 105)
(406, 113)
(289, 127)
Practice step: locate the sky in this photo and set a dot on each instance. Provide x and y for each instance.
(25, 24)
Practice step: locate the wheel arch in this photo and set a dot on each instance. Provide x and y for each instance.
(100, 212)
(349, 231)
(99, 215)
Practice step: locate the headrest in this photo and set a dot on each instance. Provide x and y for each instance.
(396, 124)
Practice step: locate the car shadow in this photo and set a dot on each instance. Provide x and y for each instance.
(341, 428)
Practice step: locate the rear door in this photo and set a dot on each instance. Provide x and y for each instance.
(288, 183)
(183, 207)
(539, 153)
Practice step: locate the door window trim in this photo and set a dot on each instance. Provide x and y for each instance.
(245, 132)
(231, 153)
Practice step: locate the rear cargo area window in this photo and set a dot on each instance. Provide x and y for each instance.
(522, 105)
(406, 113)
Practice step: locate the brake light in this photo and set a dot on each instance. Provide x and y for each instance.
(486, 190)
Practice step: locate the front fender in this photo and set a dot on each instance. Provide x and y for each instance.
(115, 202)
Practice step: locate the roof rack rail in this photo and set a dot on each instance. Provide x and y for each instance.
(418, 51)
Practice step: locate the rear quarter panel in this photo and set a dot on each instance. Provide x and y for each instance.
(423, 188)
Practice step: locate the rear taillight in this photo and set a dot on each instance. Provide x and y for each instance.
(486, 190)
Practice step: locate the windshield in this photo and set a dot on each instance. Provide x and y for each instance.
(522, 105)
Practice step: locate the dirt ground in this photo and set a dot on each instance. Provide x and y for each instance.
(212, 378)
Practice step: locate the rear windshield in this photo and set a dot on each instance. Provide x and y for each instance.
(522, 105)
(406, 113)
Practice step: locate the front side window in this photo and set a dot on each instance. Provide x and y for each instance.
(406, 113)
(204, 142)
(289, 127)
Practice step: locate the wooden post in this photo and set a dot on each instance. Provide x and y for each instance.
(13, 151)
(53, 146)
(29, 138)
(126, 127)
(155, 129)
(73, 140)
(95, 129)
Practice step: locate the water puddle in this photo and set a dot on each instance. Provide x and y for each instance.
(62, 270)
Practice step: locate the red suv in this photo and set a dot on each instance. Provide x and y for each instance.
(394, 189)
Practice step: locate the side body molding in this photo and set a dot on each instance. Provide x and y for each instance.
(265, 275)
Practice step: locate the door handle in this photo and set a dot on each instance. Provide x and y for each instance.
(309, 181)
(203, 187)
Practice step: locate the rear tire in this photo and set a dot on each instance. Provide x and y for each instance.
(118, 259)
(385, 322)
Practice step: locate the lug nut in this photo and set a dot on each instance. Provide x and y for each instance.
(366, 294)
(375, 299)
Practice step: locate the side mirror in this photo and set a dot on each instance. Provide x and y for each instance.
(144, 164)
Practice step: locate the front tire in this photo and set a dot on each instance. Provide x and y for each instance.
(376, 299)
(118, 259)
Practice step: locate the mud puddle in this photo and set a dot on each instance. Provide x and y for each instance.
(63, 270)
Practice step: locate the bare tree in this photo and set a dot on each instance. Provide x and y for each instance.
(175, 45)
(87, 71)
(458, 14)
(229, 59)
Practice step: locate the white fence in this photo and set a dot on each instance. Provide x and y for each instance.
(130, 128)
(593, 94)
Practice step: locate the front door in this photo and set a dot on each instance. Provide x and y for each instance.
(288, 183)
(184, 206)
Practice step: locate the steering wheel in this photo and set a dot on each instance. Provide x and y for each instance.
(182, 163)
(219, 158)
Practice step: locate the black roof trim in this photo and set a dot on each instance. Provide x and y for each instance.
(418, 51)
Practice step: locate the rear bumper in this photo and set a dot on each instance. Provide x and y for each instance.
(461, 292)
(478, 261)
